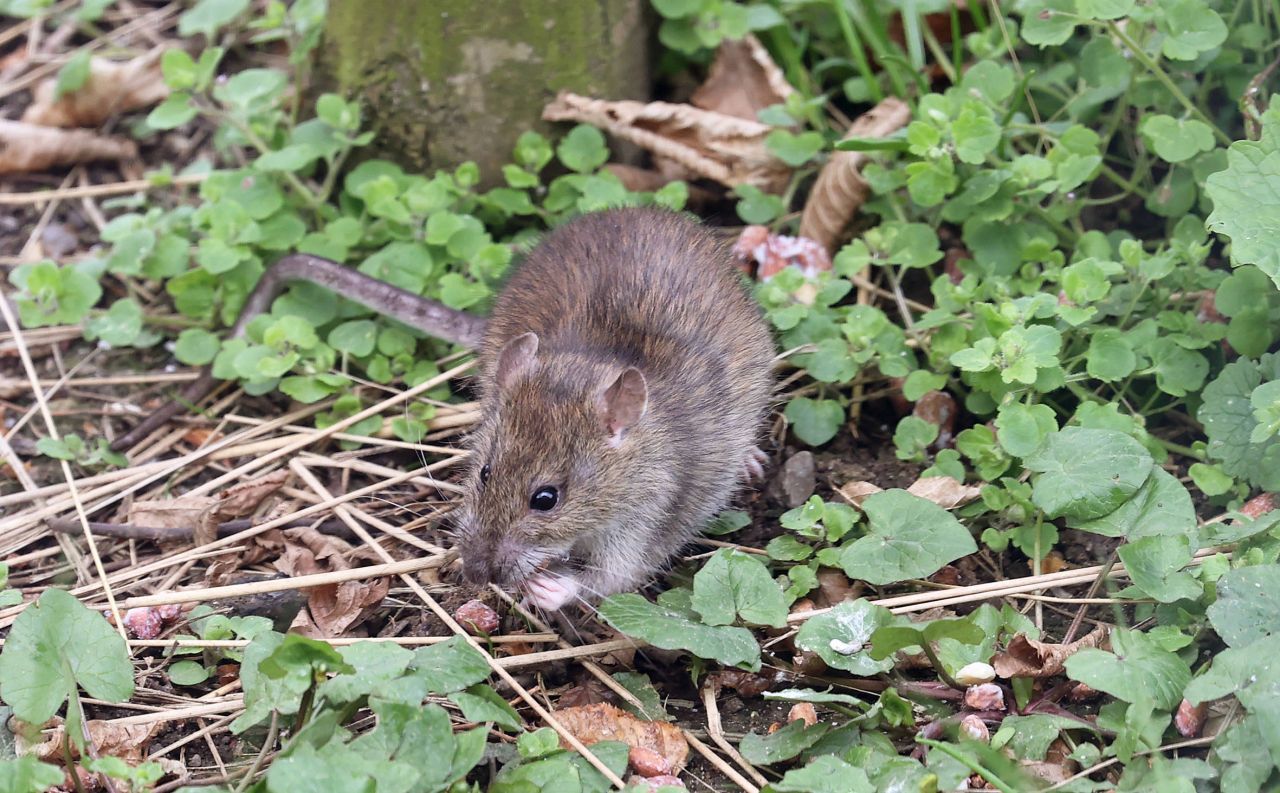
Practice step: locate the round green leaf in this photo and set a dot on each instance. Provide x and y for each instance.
(907, 537)
(1086, 473)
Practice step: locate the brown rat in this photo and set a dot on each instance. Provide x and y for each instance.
(624, 375)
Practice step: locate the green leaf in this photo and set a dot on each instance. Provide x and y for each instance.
(28, 775)
(583, 149)
(481, 703)
(1024, 428)
(794, 149)
(210, 16)
(1155, 566)
(1229, 422)
(196, 347)
(187, 673)
(1111, 356)
(377, 670)
(733, 583)
(1138, 668)
(120, 326)
(1190, 28)
(1161, 508)
(67, 448)
(756, 206)
(976, 133)
(891, 638)
(783, 744)
(54, 645)
(1104, 9)
(1048, 23)
(1210, 479)
(1085, 473)
(650, 708)
(671, 629)
(450, 666)
(1248, 606)
(458, 292)
(172, 113)
(907, 537)
(1177, 140)
(814, 421)
(1246, 207)
(73, 74)
(727, 522)
(355, 337)
(826, 774)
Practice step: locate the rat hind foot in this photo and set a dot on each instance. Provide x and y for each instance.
(754, 465)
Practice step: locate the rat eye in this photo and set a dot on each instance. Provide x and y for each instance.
(484, 474)
(544, 498)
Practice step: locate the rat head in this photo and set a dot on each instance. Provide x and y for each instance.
(551, 433)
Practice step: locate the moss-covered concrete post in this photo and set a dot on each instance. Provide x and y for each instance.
(445, 81)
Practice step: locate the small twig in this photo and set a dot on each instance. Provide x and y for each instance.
(716, 733)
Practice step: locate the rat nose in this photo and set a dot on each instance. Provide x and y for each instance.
(477, 568)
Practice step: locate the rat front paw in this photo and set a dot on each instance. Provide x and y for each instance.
(550, 592)
(753, 466)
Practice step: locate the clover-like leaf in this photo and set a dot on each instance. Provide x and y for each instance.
(449, 666)
(1191, 27)
(907, 537)
(1086, 473)
(481, 703)
(675, 629)
(733, 584)
(815, 421)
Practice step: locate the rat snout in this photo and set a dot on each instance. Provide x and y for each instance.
(495, 561)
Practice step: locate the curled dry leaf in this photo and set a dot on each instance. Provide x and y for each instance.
(1189, 719)
(27, 148)
(984, 696)
(243, 499)
(1057, 765)
(803, 711)
(835, 587)
(856, 492)
(129, 742)
(604, 722)
(334, 608)
(974, 728)
(1029, 658)
(477, 617)
(840, 189)
(743, 80)
(715, 146)
(748, 684)
(112, 87)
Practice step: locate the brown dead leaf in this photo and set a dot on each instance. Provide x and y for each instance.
(835, 587)
(803, 711)
(242, 499)
(1030, 658)
(748, 684)
(944, 491)
(112, 87)
(199, 436)
(196, 514)
(1259, 505)
(840, 189)
(939, 409)
(1057, 765)
(604, 722)
(743, 81)
(715, 146)
(129, 742)
(856, 492)
(333, 608)
(27, 148)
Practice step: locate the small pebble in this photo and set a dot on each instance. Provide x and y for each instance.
(975, 674)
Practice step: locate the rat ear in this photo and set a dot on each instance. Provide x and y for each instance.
(518, 356)
(623, 403)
